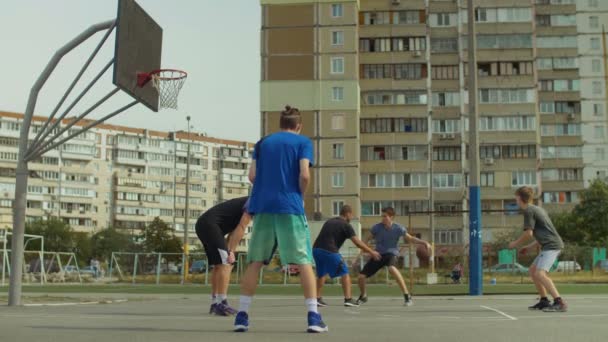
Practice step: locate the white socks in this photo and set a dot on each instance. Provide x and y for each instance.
(244, 303)
(311, 305)
(222, 297)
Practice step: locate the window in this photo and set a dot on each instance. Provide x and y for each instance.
(337, 93)
(594, 22)
(521, 178)
(444, 72)
(337, 10)
(408, 17)
(337, 179)
(565, 152)
(336, 206)
(447, 180)
(337, 38)
(507, 123)
(598, 132)
(337, 65)
(338, 122)
(442, 19)
(444, 44)
(502, 41)
(338, 151)
(594, 3)
(446, 153)
(595, 43)
(446, 126)
(597, 87)
(600, 154)
(598, 109)
(556, 42)
(446, 99)
(515, 95)
(448, 237)
(560, 197)
(486, 179)
(596, 65)
(547, 107)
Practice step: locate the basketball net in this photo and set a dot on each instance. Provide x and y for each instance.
(168, 83)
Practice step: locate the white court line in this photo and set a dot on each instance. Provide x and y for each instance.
(80, 303)
(500, 312)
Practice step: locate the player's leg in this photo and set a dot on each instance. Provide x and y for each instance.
(321, 263)
(348, 292)
(542, 292)
(371, 268)
(212, 239)
(320, 283)
(261, 248)
(394, 271)
(546, 260)
(293, 237)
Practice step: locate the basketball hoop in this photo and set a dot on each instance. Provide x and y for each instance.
(167, 82)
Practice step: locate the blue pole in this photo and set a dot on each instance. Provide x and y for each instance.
(475, 243)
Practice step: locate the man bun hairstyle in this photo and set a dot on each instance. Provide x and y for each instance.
(290, 118)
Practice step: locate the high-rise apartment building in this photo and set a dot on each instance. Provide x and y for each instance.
(382, 85)
(123, 177)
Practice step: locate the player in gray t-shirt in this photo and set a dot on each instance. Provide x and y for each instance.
(538, 225)
(387, 235)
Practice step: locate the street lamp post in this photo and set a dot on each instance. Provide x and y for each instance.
(187, 213)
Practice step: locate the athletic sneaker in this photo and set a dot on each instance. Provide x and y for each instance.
(315, 323)
(212, 308)
(543, 303)
(321, 302)
(557, 306)
(351, 302)
(362, 300)
(408, 300)
(220, 310)
(229, 309)
(241, 322)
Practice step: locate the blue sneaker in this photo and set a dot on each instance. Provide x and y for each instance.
(241, 322)
(315, 323)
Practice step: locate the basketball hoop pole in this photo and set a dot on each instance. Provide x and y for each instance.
(475, 240)
(21, 180)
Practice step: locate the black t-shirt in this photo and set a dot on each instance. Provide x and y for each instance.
(226, 215)
(333, 234)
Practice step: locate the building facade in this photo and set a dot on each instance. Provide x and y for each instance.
(123, 177)
(382, 85)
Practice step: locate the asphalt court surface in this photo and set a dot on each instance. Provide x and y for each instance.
(169, 318)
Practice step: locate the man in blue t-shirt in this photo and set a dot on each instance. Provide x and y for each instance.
(387, 235)
(280, 174)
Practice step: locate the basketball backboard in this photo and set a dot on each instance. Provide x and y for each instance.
(139, 41)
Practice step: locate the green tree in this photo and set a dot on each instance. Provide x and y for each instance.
(110, 240)
(159, 237)
(592, 213)
(83, 247)
(587, 224)
(58, 235)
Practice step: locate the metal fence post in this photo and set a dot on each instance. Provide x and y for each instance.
(135, 268)
(261, 275)
(111, 263)
(158, 269)
(206, 270)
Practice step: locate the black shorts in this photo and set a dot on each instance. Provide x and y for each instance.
(374, 266)
(212, 237)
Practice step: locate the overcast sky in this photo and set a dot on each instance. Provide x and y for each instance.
(215, 41)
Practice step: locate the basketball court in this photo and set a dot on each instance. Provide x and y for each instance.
(154, 318)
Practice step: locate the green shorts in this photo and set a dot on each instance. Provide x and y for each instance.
(289, 232)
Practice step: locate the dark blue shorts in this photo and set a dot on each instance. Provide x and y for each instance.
(329, 263)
